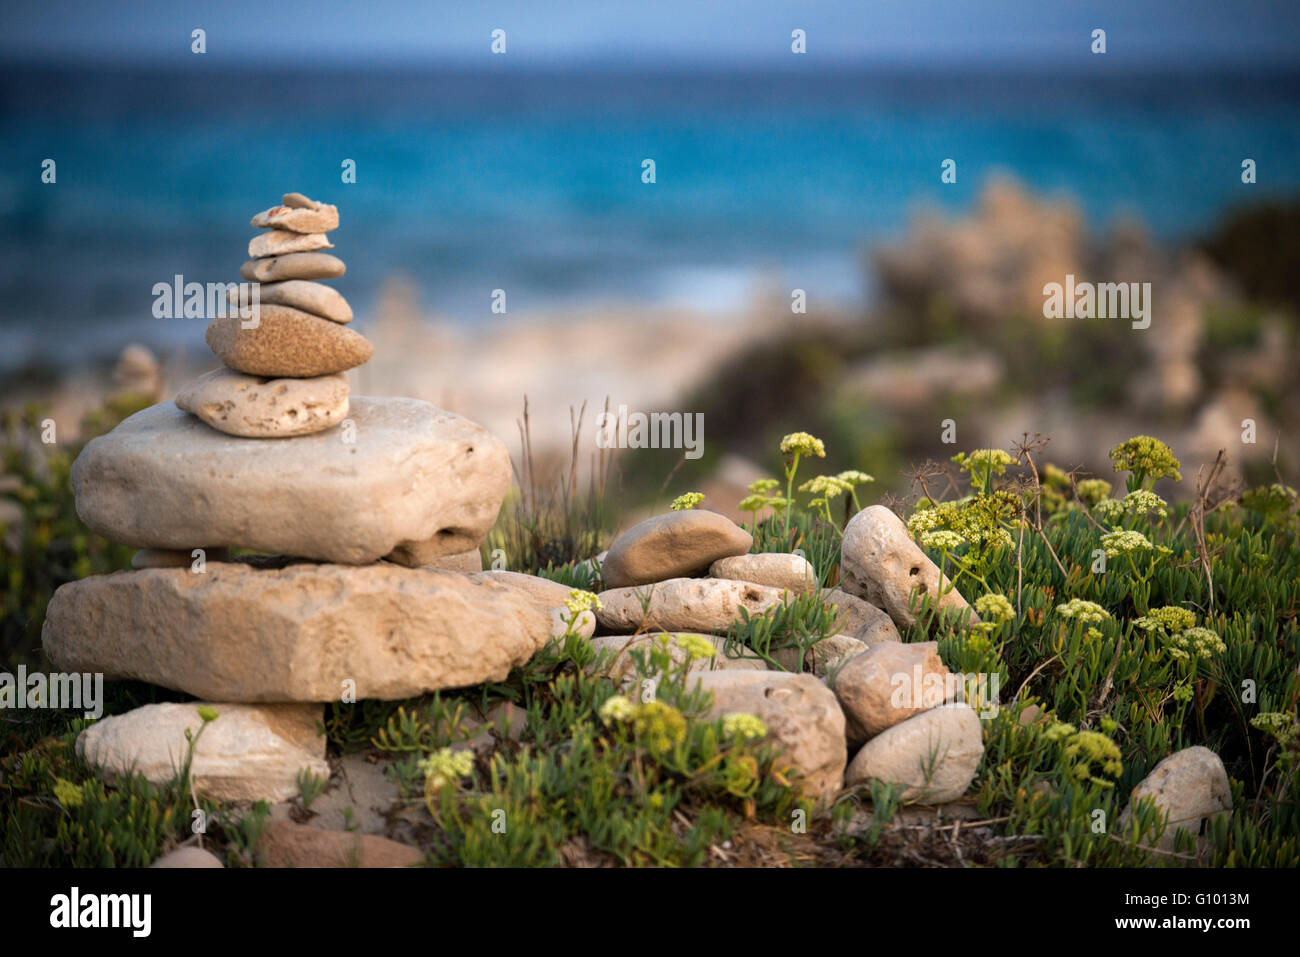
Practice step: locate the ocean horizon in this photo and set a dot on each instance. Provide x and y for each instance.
(531, 181)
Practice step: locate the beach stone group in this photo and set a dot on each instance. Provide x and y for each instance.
(282, 363)
(861, 693)
(296, 545)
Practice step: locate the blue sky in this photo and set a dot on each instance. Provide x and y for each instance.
(556, 33)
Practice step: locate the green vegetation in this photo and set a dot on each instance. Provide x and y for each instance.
(1119, 631)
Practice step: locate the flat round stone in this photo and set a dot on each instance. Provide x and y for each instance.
(277, 242)
(253, 406)
(286, 342)
(293, 266)
(314, 297)
(397, 472)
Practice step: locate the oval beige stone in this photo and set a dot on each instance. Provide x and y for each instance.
(684, 604)
(257, 407)
(672, 546)
(932, 756)
(412, 473)
(277, 242)
(888, 684)
(801, 715)
(821, 658)
(287, 342)
(293, 266)
(314, 297)
(247, 754)
(859, 618)
(794, 573)
(1188, 787)
(245, 634)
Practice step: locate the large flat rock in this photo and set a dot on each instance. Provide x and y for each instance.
(412, 477)
(305, 632)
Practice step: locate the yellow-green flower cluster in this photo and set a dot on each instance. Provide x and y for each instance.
(743, 726)
(659, 725)
(980, 521)
(1147, 458)
(761, 497)
(995, 607)
(1092, 491)
(1140, 502)
(801, 443)
(1054, 477)
(942, 539)
(616, 708)
(1108, 511)
(1275, 499)
(1170, 619)
(855, 478)
(580, 601)
(445, 766)
(983, 461)
(695, 646)
(1195, 643)
(684, 503)
(1125, 542)
(1284, 727)
(826, 486)
(1082, 610)
(68, 793)
(1059, 731)
(1091, 754)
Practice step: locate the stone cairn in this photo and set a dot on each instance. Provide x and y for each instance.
(360, 520)
(287, 379)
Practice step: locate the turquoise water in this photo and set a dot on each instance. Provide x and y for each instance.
(468, 183)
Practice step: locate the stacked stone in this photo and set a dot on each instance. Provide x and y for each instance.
(352, 594)
(284, 361)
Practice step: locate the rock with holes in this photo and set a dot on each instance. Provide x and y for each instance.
(882, 565)
(1188, 788)
(794, 573)
(684, 604)
(932, 757)
(889, 684)
(403, 474)
(860, 619)
(672, 546)
(247, 754)
(801, 715)
(299, 632)
(256, 407)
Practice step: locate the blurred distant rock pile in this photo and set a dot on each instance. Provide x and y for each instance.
(962, 319)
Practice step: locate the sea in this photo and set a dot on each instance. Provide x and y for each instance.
(536, 183)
